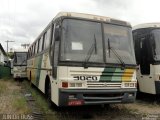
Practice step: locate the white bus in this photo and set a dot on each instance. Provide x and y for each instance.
(83, 59)
(20, 64)
(147, 50)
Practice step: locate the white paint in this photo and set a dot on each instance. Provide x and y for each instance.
(147, 82)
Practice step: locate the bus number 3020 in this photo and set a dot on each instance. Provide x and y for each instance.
(85, 78)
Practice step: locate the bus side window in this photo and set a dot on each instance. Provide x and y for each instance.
(31, 50)
(28, 54)
(40, 44)
(47, 38)
(15, 58)
(52, 40)
(36, 47)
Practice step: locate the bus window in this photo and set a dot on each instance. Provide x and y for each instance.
(53, 32)
(145, 63)
(47, 39)
(20, 58)
(40, 44)
(34, 49)
(28, 55)
(31, 50)
(20, 64)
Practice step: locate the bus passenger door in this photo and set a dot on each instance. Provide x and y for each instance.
(145, 58)
(54, 55)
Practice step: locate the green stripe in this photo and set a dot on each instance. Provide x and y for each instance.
(105, 77)
(112, 74)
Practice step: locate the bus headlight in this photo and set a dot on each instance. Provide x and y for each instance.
(64, 84)
(126, 84)
(132, 85)
(129, 85)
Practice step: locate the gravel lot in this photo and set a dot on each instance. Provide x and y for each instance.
(146, 106)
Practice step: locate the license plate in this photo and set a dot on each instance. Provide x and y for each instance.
(75, 102)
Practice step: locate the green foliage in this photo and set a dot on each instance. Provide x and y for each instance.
(10, 55)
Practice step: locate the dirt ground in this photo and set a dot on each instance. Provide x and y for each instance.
(13, 100)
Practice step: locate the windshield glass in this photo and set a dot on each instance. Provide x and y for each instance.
(156, 34)
(119, 38)
(20, 58)
(81, 39)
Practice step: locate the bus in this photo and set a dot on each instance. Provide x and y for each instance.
(147, 50)
(20, 64)
(84, 59)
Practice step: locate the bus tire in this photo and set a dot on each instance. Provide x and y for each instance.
(48, 93)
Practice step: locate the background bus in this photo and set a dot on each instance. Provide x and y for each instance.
(82, 59)
(20, 64)
(147, 50)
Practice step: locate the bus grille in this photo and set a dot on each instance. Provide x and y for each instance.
(103, 85)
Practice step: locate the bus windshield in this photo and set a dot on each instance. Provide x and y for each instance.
(20, 58)
(83, 41)
(156, 34)
(78, 37)
(119, 38)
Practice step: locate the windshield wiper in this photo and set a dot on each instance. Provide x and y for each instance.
(22, 62)
(115, 52)
(90, 52)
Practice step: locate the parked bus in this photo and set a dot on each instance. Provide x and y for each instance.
(83, 59)
(20, 64)
(147, 51)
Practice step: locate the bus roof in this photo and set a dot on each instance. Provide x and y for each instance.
(85, 16)
(91, 17)
(146, 25)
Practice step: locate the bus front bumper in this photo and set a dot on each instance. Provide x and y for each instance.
(19, 75)
(74, 97)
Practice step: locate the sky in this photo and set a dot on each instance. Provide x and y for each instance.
(22, 21)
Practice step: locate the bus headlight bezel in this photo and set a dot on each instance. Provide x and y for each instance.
(129, 85)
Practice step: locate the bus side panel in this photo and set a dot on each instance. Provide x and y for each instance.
(33, 71)
(46, 70)
(55, 91)
(147, 82)
(42, 80)
(157, 78)
(29, 68)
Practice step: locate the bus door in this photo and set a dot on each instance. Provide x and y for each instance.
(145, 54)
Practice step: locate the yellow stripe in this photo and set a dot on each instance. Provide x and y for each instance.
(127, 75)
